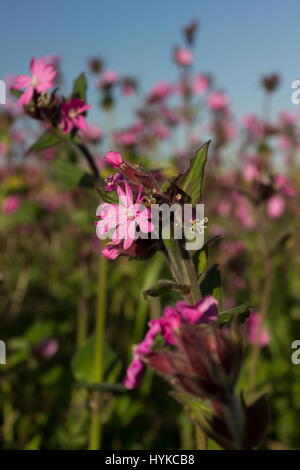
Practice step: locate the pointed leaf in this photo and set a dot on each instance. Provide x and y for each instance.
(163, 287)
(46, 141)
(191, 182)
(80, 87)
(241, 312)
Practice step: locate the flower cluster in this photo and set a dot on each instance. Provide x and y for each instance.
(65, 114)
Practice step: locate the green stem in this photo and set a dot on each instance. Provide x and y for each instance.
(95, 429)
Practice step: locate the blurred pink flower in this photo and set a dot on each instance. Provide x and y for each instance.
(284, 185)
(72, 115)
(200, 84)
(284, 142)
(47, 348)
(251, 172)
(161, 131)
(3, 148)
(160, 91)
(252, 125)
(217, 100)
(275, 206)
(114, 159)
(41, 80)
(11, 204)
(92, 133)
(183, 57)
(253, 330)
(108, 78)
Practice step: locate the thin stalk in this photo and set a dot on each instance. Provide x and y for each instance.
(82, 317)
(96, 428)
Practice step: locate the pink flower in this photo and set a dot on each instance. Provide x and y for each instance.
(47, 348)
(161, 131)
(201, 84)
(11, 204)
(146, 345)
(253, 330)
(275, 206)
(160, 92)
(110, 252)
(217, 100)
(183, 57)
(114, 159)
(284, 185)
(124, 218)
(71, 115)
(92, 133)
(111, 181)
(168, 326)
(251, 172)
(41, 80)
(108, 78)
(253, 125)
(3, 149)
(205, 311)
(134, 373)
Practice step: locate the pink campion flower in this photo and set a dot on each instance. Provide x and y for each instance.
(183, 57)
(108, 78)
(217, 101)
(11, 204)
(92, 133)
(114, 159)
(254, 330)
(205, 311)
(168, 327)
(72, 115)
(275, 206)
(251, 123)
(160, 91)
(287, 118)
(251, 172)
(41, 79)
(134, 373)
(161, 131)
(124, 218)
(127, 138)
(111, 252)
(200, 84)
(111, 182)
(284, 185)
(285, 142)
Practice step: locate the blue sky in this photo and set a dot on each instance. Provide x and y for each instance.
(238, 42)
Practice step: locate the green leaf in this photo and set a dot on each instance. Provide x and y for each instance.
(80, 87)
(110, 197)
(211, 284)
(241, 312)
(202, 261)
(82, 364)
(46, 141)
(164, 287)
(71, 175)
(191, 182)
